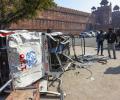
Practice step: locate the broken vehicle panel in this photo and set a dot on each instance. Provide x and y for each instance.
(25, 57)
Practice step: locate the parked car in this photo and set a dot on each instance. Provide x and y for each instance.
(85, 34)
(92, 33)
(104, 33)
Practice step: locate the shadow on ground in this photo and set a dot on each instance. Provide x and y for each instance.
(113, 70)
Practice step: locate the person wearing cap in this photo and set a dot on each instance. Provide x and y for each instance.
(111, 39)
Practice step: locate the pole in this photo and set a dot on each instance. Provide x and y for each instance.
(5, 85)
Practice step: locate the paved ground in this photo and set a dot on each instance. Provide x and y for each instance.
(104, 84)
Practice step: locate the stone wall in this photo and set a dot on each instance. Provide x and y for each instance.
(58, 19)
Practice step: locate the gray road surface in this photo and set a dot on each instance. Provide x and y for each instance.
(89, 42)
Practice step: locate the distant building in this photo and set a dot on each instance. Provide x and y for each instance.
(116, 17)
(57, 19)
(104, 17)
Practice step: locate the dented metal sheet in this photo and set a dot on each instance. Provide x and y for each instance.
(25, 57)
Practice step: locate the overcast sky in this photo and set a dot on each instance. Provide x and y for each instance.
(83, 5)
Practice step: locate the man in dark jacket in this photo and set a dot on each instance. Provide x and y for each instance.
(100, 40)
(111, 39)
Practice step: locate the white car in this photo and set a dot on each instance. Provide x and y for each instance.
(92, 33)
(85, 34)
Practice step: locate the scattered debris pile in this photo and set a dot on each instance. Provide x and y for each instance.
(32, 60)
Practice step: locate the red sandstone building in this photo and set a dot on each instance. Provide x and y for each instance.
(58, 19)
(104, 17)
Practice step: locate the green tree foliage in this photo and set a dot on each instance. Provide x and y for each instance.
(14, 10)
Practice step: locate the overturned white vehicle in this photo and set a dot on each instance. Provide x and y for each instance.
(26, 57)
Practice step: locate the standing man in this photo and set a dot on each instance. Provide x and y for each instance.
(100, 39)
(111, 39)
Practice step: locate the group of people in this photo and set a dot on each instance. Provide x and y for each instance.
(111, 38)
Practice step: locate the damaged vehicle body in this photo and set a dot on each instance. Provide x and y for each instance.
(27, 57)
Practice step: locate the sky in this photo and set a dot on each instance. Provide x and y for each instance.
(83, 5)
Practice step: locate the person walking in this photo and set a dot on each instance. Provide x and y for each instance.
(100, 39)
(111, 39)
